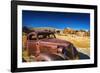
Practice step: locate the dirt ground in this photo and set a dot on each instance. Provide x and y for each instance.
(81, 43)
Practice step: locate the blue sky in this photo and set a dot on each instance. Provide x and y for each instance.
(59, 20)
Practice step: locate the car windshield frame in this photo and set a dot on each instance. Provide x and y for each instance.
(45, 35)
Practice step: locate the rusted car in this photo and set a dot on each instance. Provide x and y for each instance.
(45, 46)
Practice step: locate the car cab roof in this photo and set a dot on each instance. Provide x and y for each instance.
(41, 32)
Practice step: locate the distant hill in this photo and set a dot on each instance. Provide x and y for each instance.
(27, 29)
(46, 28)
(43, 28)
(59, 31)
(76, 32)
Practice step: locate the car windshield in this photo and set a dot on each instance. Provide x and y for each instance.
(46, 36)
(32, 37)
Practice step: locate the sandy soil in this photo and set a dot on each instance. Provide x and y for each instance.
(81, 43)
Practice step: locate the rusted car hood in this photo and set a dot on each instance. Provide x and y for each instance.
(55, 41)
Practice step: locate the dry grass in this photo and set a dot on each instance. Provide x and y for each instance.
(78, 41)
(81, 43)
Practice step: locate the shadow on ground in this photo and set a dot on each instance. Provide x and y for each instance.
(83, 56)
